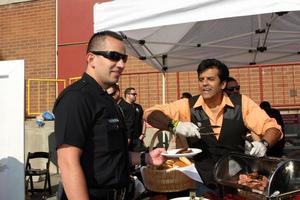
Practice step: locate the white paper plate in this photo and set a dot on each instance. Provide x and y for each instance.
(172, 153)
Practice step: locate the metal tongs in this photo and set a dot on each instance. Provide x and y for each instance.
(206, 127)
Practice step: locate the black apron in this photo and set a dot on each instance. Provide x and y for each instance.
(230, 140)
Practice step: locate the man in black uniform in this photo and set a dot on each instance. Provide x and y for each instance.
(277, 149)
(91, 141)
(114, 91)
(133, 117)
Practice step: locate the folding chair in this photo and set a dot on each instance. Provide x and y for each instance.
(31, 172)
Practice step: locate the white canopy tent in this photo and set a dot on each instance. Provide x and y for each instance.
(175, 35)
(185, 32)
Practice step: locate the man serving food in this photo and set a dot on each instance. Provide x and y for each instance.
(228, 118)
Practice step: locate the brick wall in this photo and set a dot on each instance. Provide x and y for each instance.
(28, 31)
(273, 83)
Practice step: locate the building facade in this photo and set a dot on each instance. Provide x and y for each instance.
(51, 36)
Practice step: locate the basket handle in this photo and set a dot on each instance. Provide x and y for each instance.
(179, 140)
(155, 135)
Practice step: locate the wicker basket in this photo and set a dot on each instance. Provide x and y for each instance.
(170, 180)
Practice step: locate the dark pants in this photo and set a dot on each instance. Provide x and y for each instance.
(96, 194)
(109, 194)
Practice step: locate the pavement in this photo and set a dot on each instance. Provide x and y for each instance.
(55, 179)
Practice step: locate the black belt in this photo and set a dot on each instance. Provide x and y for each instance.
(107, 194)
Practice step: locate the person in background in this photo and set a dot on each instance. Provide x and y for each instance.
(133, 116)
(277, 149)
(186, 95)
(92, 150)
(232, 86)
(235, 115)
(114, 92)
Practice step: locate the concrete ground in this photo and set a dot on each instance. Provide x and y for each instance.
(55, 179)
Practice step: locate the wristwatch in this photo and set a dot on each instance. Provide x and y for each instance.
(265, 143)
(143, 158)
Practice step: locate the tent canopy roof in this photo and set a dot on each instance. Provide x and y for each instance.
(175, 35)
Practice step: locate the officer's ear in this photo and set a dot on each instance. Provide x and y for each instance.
(90, 58)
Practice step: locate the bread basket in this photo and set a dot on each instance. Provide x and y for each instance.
(166, 180)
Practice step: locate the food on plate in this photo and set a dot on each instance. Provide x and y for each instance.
(254, 181)
(176, 162)
(211, 196)
(184, 150)
(233, 197)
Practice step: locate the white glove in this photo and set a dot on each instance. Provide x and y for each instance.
(256, 148)
(187, 129)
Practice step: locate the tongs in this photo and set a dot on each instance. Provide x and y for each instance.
(209, 133)
(206, 127)
(200, 126)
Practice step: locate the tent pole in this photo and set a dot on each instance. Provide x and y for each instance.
(163, 88)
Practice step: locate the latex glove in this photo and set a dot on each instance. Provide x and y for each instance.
(248, 147)
(187, 129)
(256, 148)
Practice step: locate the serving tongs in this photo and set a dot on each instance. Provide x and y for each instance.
(208, 126)
(209, 133)
(201, 127)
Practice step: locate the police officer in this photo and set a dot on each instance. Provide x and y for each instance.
(90, 135)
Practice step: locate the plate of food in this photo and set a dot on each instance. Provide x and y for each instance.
(183, 152)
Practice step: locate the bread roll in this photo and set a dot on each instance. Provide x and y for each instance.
(179, 163)
(185, 160)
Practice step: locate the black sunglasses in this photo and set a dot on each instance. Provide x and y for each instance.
(113, 93)
(232, 88)
(111, 55)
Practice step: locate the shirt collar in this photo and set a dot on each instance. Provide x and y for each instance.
(90, 80)
(225, 101)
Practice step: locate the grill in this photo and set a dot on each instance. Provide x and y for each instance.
(283, 175)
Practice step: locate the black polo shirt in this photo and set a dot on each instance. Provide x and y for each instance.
(86, 117)
(139, 122)
(133, 116)
(129, 117)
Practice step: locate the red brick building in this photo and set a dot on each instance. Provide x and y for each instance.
(52, 38)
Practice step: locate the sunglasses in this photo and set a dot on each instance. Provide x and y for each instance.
(231, 89)
(133, 94)
(111, 55)
(113, 93)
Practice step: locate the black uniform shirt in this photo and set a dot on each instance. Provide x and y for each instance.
(86, 117)
(133, 116)
(138, 120)
(129, 117)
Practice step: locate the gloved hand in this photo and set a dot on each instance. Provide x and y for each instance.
(187, 129)
(256, 148)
